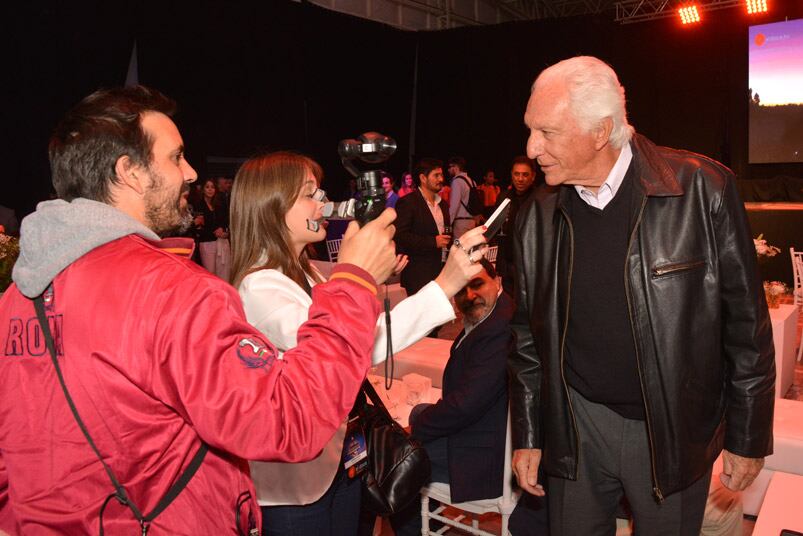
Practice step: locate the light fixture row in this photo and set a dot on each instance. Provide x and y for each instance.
(690, 14)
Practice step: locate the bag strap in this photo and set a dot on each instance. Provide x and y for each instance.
(470, 187)
(119, 491)
(471, 183)
(375, 399)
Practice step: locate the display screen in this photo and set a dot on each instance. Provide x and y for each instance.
(776, 92)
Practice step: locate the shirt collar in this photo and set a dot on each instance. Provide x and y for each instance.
(437, 198)
(615, 177)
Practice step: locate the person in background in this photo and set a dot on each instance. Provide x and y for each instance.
(390, 196)
(422, 227)
(408, 184)
(522, 175)
(224, 185)
(490, 191)
(155, 351)
(464, 432)
(276, 213)
(9, 222)
(461, 184)
(212, 229)
(445, 193)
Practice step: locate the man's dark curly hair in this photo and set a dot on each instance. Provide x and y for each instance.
(106, 125)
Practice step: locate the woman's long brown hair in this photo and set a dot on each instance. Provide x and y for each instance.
(265, 188)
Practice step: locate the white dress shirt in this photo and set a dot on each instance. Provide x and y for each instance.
(608, 190)
(435, 209)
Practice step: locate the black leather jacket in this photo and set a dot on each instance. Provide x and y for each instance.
(700, 323)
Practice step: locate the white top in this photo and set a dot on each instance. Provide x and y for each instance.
(608, 190)
(277, 306)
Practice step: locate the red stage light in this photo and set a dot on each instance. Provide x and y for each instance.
(756, 6)
(689, 14)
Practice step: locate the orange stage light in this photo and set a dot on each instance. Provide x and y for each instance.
(689, 14)
(756, 6)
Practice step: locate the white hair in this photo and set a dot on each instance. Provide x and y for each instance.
(594, 94)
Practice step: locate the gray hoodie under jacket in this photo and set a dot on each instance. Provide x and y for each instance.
(58, 233)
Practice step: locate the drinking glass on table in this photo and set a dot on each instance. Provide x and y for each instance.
(417, 388)
(447, 230)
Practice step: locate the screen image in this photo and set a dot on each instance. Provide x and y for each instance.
(776, 92)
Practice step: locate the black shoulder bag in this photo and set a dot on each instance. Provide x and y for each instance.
(398, 465)
(119, 491)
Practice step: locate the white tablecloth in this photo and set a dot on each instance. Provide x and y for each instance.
(787, 432)
(427, 357)
(781, 508)
(784, 331)
(396, 399)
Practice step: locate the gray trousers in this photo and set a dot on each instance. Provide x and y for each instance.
(614, 460)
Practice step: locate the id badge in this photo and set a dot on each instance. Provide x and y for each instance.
(355, 453)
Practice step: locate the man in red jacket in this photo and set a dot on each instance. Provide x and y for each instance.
(155, 352)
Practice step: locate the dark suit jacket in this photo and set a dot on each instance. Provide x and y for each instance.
(415, 236)
(473, 411)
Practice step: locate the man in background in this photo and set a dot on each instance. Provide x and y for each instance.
(522, 175)
(464, 432)
(459, 198)
(421, 221)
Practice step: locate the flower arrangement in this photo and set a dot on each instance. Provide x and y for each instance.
(9, 251)
(774, 290)
(763, 249)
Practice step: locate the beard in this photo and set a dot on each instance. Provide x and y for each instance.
(163, 210)
(474, 311)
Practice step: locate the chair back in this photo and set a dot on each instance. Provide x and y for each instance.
(504, 504)
(333, 248)
(510, 493)
(491, 254)
(797, 271)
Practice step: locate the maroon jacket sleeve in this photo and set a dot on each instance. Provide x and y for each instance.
(237, 391)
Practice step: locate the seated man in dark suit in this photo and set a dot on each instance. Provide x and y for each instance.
(422, 221)
(464, 432)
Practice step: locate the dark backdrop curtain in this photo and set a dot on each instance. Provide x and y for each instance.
(52, 55)
(281, 74)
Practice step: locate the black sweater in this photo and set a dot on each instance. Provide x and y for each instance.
(600, 354)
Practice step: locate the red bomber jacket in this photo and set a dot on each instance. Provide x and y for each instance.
(158, 356)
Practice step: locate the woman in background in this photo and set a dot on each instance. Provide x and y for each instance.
(212, 226)
(408, 185)
(275, 214)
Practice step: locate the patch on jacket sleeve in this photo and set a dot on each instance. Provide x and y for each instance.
(255, 354)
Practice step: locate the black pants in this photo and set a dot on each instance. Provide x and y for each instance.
(614, 460)
(337, 513)
(408, 521)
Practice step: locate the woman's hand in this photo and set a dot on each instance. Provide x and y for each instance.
(371, 248)
(460, 267)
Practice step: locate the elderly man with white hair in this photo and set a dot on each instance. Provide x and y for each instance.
(643, 341)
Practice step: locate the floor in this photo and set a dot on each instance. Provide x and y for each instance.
(492, 523)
